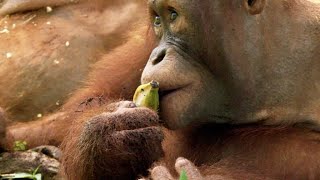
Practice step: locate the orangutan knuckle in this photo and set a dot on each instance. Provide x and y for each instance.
(142, 135)
(160, 172)
(154, 132)
(124, 122)
(126, 104)
(182, 162)
(100, 124)
(148, 135)
(143, 115)
(138, 142)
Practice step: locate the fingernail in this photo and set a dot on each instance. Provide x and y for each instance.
(132, 105)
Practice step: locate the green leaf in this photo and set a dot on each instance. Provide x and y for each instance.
(183, 175)
(20, 146)
(36, 170)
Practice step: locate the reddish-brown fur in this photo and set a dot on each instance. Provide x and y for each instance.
(114, 76)
(247, 152)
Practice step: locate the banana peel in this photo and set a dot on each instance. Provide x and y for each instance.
(147, 95)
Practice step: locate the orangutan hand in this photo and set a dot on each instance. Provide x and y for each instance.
(182, 164)
(128, 139)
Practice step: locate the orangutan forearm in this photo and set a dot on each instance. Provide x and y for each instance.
(48, 131)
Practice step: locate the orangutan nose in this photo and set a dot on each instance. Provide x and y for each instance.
(158, 55)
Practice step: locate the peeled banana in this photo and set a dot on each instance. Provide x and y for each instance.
(147, 95)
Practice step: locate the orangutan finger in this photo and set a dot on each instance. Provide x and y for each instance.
(185, 166)
(160, 173)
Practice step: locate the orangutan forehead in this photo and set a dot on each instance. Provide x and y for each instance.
(165, 3)
(162, 2)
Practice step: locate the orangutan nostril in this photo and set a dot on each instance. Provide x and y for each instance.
(251, 2)
(159, 57)
(254, 6)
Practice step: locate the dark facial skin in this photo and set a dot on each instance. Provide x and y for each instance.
(231, 62)
(177, 63)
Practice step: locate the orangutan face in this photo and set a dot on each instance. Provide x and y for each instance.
(236, 61)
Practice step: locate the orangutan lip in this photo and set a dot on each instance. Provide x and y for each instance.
(166, 92)
(163, 93)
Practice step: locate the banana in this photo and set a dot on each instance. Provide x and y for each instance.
(147, 95)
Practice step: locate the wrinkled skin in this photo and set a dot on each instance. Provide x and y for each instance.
(238, 67)
(239, 85)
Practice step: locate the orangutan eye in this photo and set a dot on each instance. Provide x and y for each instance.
(157, 21)
(173, 15)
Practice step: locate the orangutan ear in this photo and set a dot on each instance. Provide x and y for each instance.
(254, 6)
